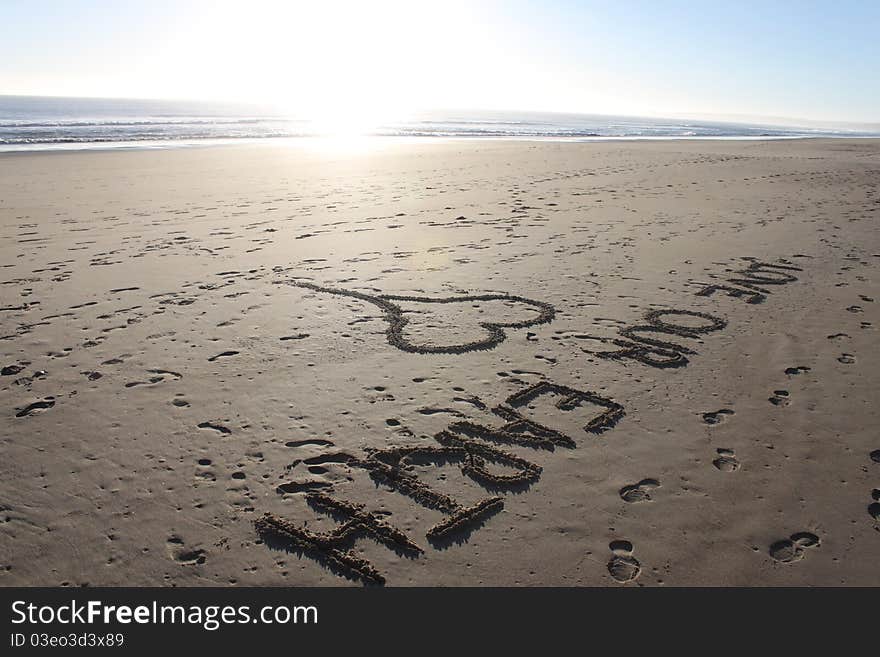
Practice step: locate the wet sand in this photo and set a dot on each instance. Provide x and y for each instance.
(442, 363)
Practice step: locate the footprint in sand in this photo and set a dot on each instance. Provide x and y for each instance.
(297, 336)
(27, 381)
(792, 549)
(726, 460)
(116, 361)
(302, 486)
(874, 507)
(624, 567)
(797, 369)
(716, 417)
(640, 492)
(36, 407)
(779, 398)
(847, 359)
(224, 354)
(309, 441)
(158, 376)
(204, 471)
(314, 465)
(183, 555)
(219, 428)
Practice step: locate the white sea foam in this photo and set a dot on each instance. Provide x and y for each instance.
(36, 123)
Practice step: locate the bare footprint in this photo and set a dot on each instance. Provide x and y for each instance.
(36, 407)
(298, 336)
(623, 566)
(302, 486)
(219, 428)
(178, 551)
(640, 492)
(320, 442)
(792, 549)
(223, 354)
(726, 460)
(157, 376)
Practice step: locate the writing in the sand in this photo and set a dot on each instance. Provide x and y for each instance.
(473, 446)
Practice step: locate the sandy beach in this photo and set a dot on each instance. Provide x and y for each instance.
(442, 363)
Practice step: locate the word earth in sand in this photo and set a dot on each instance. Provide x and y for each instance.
(394, 315)
(465, 443)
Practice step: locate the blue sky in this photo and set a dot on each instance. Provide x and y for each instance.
(811, 60)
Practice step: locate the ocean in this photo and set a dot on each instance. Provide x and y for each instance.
(46, 123)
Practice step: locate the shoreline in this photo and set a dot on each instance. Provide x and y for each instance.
(188, 144)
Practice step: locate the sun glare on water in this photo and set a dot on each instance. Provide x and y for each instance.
(345, 67)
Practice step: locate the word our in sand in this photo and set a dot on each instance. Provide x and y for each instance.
(465, 443)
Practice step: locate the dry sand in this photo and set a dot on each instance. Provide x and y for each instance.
(192, 339)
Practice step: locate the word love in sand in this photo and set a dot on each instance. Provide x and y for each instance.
(650, 343)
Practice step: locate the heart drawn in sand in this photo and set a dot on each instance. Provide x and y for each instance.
(397, 320)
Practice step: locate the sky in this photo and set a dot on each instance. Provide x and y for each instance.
(716, 58)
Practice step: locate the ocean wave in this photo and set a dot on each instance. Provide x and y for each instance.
(139, 137)
(75, 123)
(43, 122)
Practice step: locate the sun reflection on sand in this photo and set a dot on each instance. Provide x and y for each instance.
(344, 144)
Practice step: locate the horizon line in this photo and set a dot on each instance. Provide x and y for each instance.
(757, 120)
